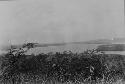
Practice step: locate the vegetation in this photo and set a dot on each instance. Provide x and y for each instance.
(112, 47)
(91, 66)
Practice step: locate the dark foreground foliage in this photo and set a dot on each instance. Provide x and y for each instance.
(18, 67)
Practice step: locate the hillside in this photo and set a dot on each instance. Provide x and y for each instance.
(107, 41)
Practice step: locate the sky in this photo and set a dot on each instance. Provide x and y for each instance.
(49, 21)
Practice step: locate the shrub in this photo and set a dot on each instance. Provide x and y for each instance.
(62, 67)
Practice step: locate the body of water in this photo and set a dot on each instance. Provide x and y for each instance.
(115, 52)
(69, 47)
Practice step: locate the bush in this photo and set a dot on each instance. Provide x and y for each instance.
(62, 67)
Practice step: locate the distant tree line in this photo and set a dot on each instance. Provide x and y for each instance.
(112, 47)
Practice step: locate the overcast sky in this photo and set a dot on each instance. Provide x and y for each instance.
(47, 21)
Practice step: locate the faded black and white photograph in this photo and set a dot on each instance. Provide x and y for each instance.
(62, 42)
